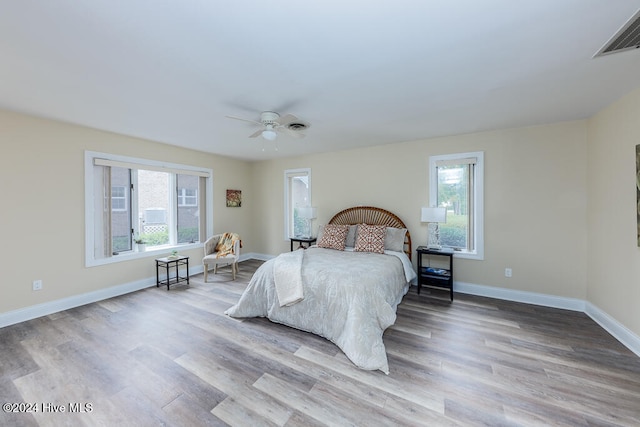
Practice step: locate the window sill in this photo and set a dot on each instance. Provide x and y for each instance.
(468, 255)
(132, 255)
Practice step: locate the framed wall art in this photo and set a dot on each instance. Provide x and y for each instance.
(234, 198)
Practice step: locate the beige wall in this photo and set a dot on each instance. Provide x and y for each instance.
(613, 280)
(42, 207)
(549, 190)
(535, 200)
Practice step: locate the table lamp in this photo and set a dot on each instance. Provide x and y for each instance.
(433, 216)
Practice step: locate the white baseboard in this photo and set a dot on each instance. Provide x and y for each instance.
(545, 300)
(611, 325)
(259, 257)
(44, 309)
(615, 328)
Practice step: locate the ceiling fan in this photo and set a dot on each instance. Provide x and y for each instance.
(271, 123)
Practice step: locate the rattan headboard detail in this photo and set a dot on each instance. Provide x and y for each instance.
(372, 216)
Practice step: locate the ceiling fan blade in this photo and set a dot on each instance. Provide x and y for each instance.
(286, 119)
(256, 133)
(244, 120)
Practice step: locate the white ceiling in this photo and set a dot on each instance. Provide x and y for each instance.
(361, 72)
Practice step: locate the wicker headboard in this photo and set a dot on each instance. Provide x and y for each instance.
(372, 216)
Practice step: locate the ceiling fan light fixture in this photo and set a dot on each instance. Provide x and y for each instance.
(271, 123)
(269, 134)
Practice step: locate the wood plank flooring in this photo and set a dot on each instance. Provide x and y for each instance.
(172, 358)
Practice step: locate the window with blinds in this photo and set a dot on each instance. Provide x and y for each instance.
(456, 183)
(129, 200)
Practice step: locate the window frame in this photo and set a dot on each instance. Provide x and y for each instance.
(478, 198)
(288, 210)
(93, 189)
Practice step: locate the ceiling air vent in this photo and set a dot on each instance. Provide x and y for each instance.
(628, 37)
(297, 126)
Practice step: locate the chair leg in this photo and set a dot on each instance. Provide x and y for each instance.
(233, 270)
(206, 270)
(215, 268)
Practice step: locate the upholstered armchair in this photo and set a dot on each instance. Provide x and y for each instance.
(222, 249)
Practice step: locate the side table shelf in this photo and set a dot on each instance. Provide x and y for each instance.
(436, 277)
(167, 263)
(302, 240)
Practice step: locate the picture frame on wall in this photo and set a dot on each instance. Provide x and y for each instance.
(234, 198)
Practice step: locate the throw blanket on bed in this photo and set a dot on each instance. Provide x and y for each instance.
(288, 277)
(225, 245)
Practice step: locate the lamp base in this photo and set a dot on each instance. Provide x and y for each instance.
(433, 241)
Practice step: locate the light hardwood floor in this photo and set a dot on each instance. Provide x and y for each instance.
(172, 358)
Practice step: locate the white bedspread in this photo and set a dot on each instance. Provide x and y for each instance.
(350, 298)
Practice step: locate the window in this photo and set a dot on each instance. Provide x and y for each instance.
(163, 205)
(118, 198)
(120, 218)
(188, 208)
(187, 197)
(297, 190)
(456, 183)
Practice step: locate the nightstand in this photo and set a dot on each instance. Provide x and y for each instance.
(167, 263)
(441, 274)
(302, 240)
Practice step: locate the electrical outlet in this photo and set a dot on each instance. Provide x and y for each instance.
(507, 272)
(37, 285)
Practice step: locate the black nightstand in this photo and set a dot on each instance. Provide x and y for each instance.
(436, 277)
(167, 263)
(308, 240)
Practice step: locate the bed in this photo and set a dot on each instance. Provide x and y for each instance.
(348, 296)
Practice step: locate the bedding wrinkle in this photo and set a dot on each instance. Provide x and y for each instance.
(288, 278)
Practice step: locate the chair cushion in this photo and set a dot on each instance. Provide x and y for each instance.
(213, 258)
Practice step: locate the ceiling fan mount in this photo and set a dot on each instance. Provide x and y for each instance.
(269, 117)
(273, 123)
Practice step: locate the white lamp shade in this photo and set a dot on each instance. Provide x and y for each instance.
(433, 215)
(308, 212)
